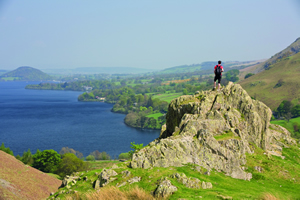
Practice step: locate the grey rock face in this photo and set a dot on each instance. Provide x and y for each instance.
(68, 179)
(105, 177)
(165, 188)
(213, 130)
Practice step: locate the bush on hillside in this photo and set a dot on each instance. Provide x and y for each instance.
(69, 164)
(248, 75)
(279, 83)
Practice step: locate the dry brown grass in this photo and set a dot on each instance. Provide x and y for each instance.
(268, 196)
(113, 193)
(19, 181)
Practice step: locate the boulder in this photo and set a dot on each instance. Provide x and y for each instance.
(164, 189)
(68, 179)
(126, 173)
(214, 130)
(105, 177)
(134, 180)
(188, 182)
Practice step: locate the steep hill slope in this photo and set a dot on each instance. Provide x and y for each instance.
(19, 181)
(291, 50)
(280, 81)
(26, 74)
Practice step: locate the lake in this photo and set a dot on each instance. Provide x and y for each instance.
(50, 119)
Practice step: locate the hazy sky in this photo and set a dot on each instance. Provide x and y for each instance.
(142, 33)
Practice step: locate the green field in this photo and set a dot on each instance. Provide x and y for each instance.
(155, 115)
(167, 97)
(290, 125)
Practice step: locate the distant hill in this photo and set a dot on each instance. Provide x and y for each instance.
(208, 67)
(19, 181)
(293, 49)
(278, 82)
(25, 74)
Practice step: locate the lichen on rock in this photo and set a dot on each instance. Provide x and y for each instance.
(214, 129)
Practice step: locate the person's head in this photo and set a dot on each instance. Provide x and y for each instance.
(219, 62)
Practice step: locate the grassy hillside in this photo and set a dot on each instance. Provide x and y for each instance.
(19, 181)
(279, 179)
(291, 50)
(25, 74)
(279, 82)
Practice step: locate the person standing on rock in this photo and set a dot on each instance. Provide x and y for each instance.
(218, 74)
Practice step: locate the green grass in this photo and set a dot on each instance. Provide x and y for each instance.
(280, 177)
(226, 136)
(289, 125)
(99, 164)
(55, 176)
(167, 97)
(155, 115)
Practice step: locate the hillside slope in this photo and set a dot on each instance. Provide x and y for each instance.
(291, 50)
(26, 74)
(19, 181)
(280, 81)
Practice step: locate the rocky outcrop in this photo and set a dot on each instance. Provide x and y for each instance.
(105, 177)
(214, 129)
(165, 188)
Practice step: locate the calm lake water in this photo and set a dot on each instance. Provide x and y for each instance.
(49, 119)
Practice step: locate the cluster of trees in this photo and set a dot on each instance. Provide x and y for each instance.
(6, 149)
(232, 75)
(287, 110)
(63, 163)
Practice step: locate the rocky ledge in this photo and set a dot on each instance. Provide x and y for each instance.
(214, 129)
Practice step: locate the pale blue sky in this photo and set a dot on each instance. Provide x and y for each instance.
(153, 34)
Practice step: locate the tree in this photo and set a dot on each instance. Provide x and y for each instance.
(46, 161)
(296, 111)
(184, 91)
(65, 150)
(6, 150)
(90, 158)
(27, 158)
(69, 164)
(284, 108)
(100, 155)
